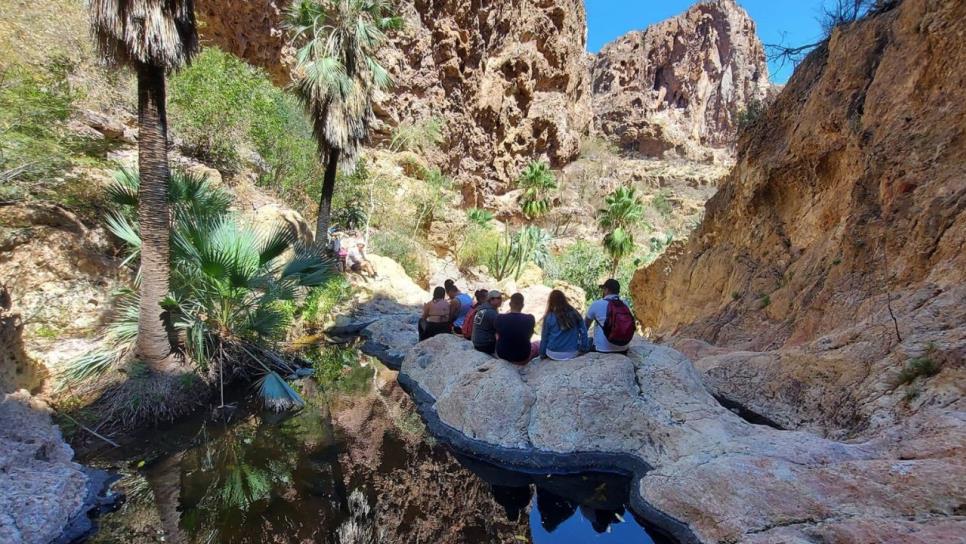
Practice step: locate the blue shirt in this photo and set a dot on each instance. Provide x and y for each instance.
(556, 339)
(466, 302)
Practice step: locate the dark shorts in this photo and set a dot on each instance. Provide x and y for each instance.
(429, 330)
(356, 267)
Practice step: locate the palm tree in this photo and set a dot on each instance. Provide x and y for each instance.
(537, 182)
(336, 75)
(152, 37)
(623, 210)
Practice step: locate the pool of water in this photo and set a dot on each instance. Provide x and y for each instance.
(350, 468)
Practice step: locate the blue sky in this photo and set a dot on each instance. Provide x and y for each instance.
(610, 19)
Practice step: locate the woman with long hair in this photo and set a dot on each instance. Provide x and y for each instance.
(564, 334)
(437, 316)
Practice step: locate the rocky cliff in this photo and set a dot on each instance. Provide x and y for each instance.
(509, 79)
(678, 87)
(829, 272)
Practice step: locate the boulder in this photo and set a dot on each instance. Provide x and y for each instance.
(702, 472)
(41, 490)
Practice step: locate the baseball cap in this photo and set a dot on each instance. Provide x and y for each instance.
(611, 285)
(494, 294)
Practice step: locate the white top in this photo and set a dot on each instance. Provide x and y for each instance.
(562, 355)
(598, 314)
(354, 256)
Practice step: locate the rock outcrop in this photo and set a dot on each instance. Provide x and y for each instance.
(508, 79)
(830, 270)
(678, 87)
(702, 473)
(43, 493)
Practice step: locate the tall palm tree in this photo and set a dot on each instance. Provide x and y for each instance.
(336, 75)
(152, 37)
(623, 210)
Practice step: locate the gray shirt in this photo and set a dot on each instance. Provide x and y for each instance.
(484, 326)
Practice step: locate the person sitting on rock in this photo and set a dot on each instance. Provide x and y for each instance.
(614, 322)
(513, 333)
(484, 323)
(564, 333)
(480, 296)
(437, 316)
(357, 261)
(460, 304)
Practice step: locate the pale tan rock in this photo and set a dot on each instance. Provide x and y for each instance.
(726, 479)
(676, 88)
(847, 199)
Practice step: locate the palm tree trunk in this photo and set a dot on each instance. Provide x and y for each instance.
(325, 201)
(153, 346)
(616, 266)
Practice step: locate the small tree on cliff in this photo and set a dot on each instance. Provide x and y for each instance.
(336, 75)
(153, 37)
(623, 210)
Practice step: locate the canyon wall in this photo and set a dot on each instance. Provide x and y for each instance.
(508, 79)
(832, 258)
(678, 87)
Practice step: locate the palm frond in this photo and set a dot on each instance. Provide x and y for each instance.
(278, 395)
(274, 243)
(127, 231)
(123, 190)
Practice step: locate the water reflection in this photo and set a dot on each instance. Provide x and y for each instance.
(588, 507)
(360, 469)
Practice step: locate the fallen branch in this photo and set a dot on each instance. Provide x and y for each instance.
(88, 429)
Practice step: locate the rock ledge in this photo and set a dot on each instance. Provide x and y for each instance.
(701, 473)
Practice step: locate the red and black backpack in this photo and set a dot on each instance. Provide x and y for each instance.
(619, 327)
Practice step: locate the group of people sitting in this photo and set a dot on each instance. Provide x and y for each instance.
(564, 335)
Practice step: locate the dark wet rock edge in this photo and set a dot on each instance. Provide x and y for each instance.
(100, 500)
(543, 462)
(746, 413)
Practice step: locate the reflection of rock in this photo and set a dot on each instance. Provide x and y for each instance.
(420, 493)
(713, 474)
(41, 489)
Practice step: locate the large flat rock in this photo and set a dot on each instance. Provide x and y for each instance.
(703, 473)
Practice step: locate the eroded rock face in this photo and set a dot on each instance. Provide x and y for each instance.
(41, 489)
(703, 473)
(676, 88)
(842, 222)
(509, 79)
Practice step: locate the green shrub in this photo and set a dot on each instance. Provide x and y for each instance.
(516, 249)
(34, 143)
(221, 105)
(918, 367)
(322, 300)
(750, 116)
(437, 190)
(404, 250)
(419, 136)
(662, 204)
(479, 216)
(584, 265)
(478, 245)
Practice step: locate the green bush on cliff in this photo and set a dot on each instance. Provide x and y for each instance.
(584, 265)
(225, 111)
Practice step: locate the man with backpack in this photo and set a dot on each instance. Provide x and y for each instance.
(614, 322)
